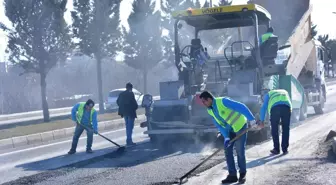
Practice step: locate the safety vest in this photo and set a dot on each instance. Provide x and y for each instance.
(278, 95)
(235, 119)
(265, 37)
(80, 112)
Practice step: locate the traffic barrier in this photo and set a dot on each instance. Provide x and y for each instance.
(34, 139)
(69, 131)
(58, 134)
(6, 143)
(46, 137)
(20, 141)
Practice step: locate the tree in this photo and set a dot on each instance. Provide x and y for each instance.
(39, 38)
(143, 48)
(197, 4)
(313, 30)
(323, 39)
(206, 4)
(225, 3)
(95, 23)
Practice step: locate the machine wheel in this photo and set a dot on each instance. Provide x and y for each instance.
(295, 117)
(303, 109)
(319, 109)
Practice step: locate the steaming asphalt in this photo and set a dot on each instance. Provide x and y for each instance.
(141, 165)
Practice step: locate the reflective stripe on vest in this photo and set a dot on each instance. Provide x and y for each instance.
(265, 37)
(278, 95)
(80, 113)
(235, 119)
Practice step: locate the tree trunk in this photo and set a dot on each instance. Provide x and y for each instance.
(145, 80)
(45, 108)
(100, 84)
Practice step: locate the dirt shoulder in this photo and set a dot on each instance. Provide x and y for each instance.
(53, 125)
(319, 169)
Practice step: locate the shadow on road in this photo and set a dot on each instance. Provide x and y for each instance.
(142, 153)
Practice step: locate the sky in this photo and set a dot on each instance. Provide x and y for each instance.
(322, 16)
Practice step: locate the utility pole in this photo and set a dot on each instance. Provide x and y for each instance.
(210, 3)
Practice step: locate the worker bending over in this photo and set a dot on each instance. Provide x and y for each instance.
(278, 105)
(84, 114)
(230, 117)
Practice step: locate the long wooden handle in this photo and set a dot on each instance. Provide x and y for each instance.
(109, 140)
(90, 129)
(239, 135)
(212, 155)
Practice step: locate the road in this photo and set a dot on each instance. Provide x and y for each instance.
(142, 165)
(33, 117)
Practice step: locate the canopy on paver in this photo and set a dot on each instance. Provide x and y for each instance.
(223, 16)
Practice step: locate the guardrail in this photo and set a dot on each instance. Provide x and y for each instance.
(10, 119)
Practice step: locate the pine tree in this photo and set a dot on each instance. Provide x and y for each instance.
(143, 42)
(96, 25)
(197, 4)
(206, 4)
(39, 39)
(225, 3)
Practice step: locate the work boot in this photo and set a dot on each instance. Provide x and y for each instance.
(285, 152)
(131, 144)
(72, 152)
(230, 179)
(275, 152)
(242, 178)
(89, 151)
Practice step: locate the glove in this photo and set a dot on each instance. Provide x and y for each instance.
(220, 137)
(95, 131)
(253, 124)
(227, 143)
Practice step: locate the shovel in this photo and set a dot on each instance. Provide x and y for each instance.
(330, 135)
(120, 150)
(183, 179)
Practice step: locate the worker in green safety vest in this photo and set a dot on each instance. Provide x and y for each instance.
(84, 114)
(266, 35)
(277, 104)
(230, 117)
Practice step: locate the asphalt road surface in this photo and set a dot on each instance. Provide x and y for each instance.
(145, 164)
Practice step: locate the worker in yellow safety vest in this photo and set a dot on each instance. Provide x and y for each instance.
(230, 117)
(84, 114)
(266, 35)
(279, 107)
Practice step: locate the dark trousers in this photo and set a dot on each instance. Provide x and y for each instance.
(283, 113)
(129, 121)
(240, 149)
(78, 132)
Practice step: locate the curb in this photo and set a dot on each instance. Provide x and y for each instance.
(44, 137)
(334, 145)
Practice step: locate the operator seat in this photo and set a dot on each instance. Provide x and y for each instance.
(195, 48)
(269, 50)
(197, 73)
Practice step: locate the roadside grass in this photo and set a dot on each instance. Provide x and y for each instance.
(53, 125)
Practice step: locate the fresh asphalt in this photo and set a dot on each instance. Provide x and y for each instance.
(140, 165)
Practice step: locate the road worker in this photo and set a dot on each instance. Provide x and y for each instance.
(266, 35)
(84, 114)
(230, 117)
(278, 105)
